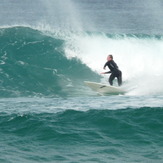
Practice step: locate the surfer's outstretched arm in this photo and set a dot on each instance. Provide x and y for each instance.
(106, 72)
(105, 66)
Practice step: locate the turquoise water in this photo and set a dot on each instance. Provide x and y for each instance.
(91, 129)
(35, 64)
(48, 49)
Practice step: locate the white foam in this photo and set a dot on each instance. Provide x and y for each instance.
(140, 59)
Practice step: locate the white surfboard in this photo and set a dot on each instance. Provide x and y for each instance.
(104, 89)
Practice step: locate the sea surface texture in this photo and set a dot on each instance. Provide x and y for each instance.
(48, 48)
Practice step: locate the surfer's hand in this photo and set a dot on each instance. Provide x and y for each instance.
(102, 73)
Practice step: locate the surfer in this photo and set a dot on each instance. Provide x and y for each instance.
(114, 70)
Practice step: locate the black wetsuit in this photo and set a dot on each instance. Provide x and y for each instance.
(115, 72)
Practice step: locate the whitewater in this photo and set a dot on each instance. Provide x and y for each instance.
(136, 56)
(48, 49)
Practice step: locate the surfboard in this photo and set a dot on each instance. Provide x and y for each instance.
(104, 89)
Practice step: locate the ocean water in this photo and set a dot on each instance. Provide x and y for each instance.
(48, 49)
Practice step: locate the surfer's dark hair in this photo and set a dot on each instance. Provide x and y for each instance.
(111, 56)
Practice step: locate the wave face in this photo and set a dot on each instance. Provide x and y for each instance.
(131, 135)
(33, 63)
(41, 62)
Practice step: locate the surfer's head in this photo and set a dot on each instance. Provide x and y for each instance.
(110, 57)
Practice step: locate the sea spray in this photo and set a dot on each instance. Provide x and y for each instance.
(138, 56)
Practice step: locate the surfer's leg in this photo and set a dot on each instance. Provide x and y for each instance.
(111, 78)
(119, 77)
